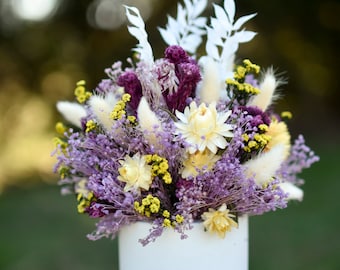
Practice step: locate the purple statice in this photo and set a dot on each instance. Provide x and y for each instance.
(155, 232)
(258, 116)
(114, 72)
(105, 86)
(129, 80)
(226, 183)
(97, 210)
(250, 78)
(300, 158)
(109, 225)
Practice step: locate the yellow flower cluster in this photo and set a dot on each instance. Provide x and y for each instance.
(159, 167)
(250, 67)
(243, 87)
(239, 77)
(60, 143)
(90, 125)
(287, 114)
(84, 201)
(80, 92)
(152, 205)
(167, 220)
(119, 109)
(149, 205)
(60, 128)
(63, 171)
(84, 196)
(259, 141)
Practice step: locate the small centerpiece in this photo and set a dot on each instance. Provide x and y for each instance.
(183, 138)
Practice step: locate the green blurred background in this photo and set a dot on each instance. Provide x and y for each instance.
(48, 45)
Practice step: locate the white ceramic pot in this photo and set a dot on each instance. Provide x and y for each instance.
(201, 250)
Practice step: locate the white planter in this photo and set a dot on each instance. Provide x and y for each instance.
(201, 250)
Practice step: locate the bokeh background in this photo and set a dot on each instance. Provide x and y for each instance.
(48, 45)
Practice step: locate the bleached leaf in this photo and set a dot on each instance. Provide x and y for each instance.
(134, 19)
(244, 36)
(225, 36)
(181, 16)
(238, 24)
(168, 37)
(213, 50)
(187, 24)
(199, 8)
(229, 7)
(200, 22)
(138, 31)
(220, 14)
(192, 41)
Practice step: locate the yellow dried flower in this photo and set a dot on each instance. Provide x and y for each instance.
(219, 221)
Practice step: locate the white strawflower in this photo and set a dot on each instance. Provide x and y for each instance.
(135, 172)
(203, 127)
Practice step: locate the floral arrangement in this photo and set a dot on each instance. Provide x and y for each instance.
(182, 138)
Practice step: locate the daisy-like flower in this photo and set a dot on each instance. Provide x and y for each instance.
(203, 127)
(135, 172)
(219, 221)
(199, 161)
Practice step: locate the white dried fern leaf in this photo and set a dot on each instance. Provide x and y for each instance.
(187, 30)
(137, 29)
(224, 36)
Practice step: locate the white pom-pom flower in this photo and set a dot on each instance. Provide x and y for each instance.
(72, 112)
(102, 108)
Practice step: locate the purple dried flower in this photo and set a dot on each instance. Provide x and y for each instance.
(250, 78)
(96, 210)
(301, 157)
(188, 75)
(176, 54)
(132, 86)
(259, 117)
